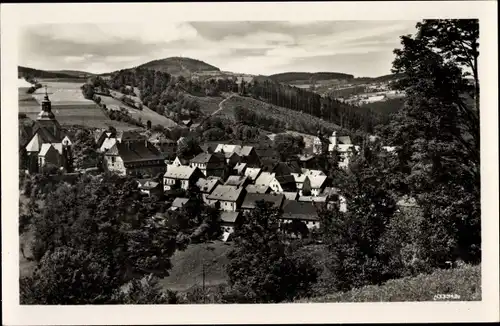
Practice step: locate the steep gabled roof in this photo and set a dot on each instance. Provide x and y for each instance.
(179, 172)
(205, 158)
(179, 202)
(252, 198)
(226, 193)
(229, 217)
(236, 180)
(207, 185)
(300, 210)
(135, 151)
(252, 173)
(264, 179)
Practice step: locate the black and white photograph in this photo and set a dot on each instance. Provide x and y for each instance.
(251, 161)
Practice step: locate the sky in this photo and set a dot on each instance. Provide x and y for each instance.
(360, 48)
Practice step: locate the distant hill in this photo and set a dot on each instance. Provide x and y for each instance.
(381, 79)
(179, 66)
(290, 77)
(74, 73)
(26, 71)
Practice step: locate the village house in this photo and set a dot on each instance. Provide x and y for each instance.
(249, 203)
(308, 161)
(281, 184)
(232, 158)
(344, 147)
(207, 185)
(228, 198)
(303, 183)
(178, 203)
(182, 177)
(137, 158)
(210, 164)
(246, 154)
(264, 179)
(180, 161)
(167, 147)
(302, 211)
(150, 187)
(229, 220)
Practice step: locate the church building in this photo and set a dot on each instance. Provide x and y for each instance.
(48, 144)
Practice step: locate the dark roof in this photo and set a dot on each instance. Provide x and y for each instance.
(300, 210)
(287, 182)
(135, 151)
(208, 158)
(127, 135)
(226, 193)
(251, 198)
(286, 168)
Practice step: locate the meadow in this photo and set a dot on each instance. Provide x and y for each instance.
(68, 105)
(143, 115)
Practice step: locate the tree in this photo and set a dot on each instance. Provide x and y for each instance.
(437, 132)
(69, 276)
(104, 220)
(288, 145)
(84, 150)
(353, 238)
(88, 91)
(148, 124)
(262, 267)
(145, 291)
(188, 147)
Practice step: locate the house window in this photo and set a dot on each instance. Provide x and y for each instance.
(112, 159)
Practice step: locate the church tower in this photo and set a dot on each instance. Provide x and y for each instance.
(46, 118)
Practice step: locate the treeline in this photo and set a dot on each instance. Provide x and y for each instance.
(288, 77)
(327, 108)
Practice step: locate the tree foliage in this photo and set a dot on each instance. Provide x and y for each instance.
(437, 133)
(356, 255)
(262, 267)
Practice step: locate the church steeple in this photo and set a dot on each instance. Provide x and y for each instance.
(46, 113)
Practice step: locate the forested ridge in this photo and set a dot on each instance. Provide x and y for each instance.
(161, 92)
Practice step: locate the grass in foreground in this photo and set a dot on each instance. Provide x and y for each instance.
(187, 270)
(463, 281)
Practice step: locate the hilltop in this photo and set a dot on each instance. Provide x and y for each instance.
(179, 66)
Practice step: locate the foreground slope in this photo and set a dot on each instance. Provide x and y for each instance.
(463, 282)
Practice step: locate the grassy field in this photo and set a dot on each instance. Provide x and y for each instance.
(208, 104)
(296, 121)
(68, 105)
(187, 270)
(145, 114)
(463, 281)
